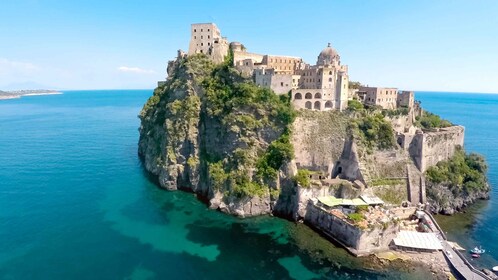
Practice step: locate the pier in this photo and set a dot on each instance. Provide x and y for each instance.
(455, 259)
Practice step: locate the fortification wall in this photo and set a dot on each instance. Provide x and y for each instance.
(358, 241)
(318, 139)
(429, 148)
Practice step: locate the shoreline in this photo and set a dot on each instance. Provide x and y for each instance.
(20, 95)
(42, 93)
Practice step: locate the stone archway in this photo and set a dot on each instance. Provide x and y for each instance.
(317, 105)
(298, 96)
(307, 105)
(318, 95)
(308, 95)
(328, 105)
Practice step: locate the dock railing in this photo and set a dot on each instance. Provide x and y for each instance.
(460, 255)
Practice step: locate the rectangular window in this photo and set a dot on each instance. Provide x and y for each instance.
(202, 44)
(195, 30)
(282, 84)
(208, 36)
(201, 30)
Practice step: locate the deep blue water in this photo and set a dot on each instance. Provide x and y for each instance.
(76, 204)
(479, 114)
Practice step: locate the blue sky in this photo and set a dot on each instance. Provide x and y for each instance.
(420, 45)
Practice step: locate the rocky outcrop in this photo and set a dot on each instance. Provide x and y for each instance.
(442, 200)
(211, 131)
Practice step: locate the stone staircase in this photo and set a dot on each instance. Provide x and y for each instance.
(415, 184)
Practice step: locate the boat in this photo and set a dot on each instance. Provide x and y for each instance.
(495, 268)
(477, 250)
(475, 256)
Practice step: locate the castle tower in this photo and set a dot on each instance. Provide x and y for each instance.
(206, 38)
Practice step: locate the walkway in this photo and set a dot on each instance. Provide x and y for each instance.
(456, 259)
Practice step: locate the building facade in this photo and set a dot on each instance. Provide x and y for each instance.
(323, 86)
(206, 38)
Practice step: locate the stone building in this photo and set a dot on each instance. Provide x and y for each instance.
(323, 86)
(387, 98)
(206, 38)
(377, 96)
(405, 99)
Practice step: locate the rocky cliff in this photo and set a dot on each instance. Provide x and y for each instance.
(213, 132)
(456, 183)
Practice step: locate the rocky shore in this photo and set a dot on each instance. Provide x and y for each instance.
(443, 201)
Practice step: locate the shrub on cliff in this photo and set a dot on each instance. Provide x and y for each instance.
(374, 131)
(429, 120)
(303, 178)
(355, 105)
(462, 172)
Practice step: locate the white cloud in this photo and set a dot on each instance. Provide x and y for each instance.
(16, 67)
(136, 70)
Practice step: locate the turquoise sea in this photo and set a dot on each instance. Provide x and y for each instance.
(75, 202)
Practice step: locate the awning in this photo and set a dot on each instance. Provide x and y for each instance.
(418, 240)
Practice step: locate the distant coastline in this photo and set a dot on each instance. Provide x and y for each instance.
(20, 93)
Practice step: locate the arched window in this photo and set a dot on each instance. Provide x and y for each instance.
(328, 105)
(307, 105)
(308, 95)
(330, 72)
(318, 95)
(317, 105)
(298, 96)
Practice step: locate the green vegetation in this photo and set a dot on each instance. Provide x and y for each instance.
(429, 120)
(243, 109)
(387, 182)
(354, 85)
(303, 178)
(355, 105)
(465, 172)
(396, 112)
(279, 151)
(374, 131)
(356, 217)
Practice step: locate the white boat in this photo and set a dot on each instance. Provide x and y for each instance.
(495, 268)
(477, 250)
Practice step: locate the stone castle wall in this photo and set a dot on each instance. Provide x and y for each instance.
(359, 242)
(428, 148)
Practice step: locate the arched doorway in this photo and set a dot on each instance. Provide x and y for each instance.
(328, 105)
(307, 105)
(317, 105)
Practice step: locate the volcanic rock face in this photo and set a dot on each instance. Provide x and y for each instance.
(206, 130)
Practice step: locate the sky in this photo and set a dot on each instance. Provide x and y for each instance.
(431, 45)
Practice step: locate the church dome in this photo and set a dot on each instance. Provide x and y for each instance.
(328, 56)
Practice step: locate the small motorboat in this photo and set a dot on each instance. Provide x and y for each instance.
(495, 268)
(477, 250)
(475, 256)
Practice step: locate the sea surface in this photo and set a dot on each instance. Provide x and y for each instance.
(479, 114)
(75, 202)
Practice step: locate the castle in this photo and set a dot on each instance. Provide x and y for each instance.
(321, 87)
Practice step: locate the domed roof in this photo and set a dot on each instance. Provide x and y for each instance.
(329, 51)
(327, 56)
